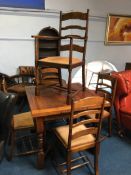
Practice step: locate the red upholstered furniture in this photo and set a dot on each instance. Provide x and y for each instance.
(123, 99)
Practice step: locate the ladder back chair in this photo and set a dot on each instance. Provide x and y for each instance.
(73, 34)
(106, 84)
(22, 138)
(82, 132)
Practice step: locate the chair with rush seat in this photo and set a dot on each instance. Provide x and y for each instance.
(23, 121)
(21, 136)
(73, 34)
(82, 133)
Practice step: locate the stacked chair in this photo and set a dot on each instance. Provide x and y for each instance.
(75, 36)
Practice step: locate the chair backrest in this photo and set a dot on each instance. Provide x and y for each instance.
(27, 74)
(27, 70)
(106, 84)
(96, 67)
(74, 24)
(80, 112)
(7, 105)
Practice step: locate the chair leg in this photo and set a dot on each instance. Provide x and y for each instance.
(2, 143)
(10, 145)
(37, 80)
(69, 163)
(69, 87)
(90, 79)
(96, 161)
(83, 77)
(110, 126)
(121, 133)
(60, 77)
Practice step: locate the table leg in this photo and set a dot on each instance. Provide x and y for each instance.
(41, 150)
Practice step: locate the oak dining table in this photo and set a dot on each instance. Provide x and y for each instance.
(49, 105)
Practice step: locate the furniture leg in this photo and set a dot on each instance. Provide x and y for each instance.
(69, 87)
(69, 163)
(37, 81)
(41, 150)
(83, 77)
(96, 161)
(110, 125)
(10, 145)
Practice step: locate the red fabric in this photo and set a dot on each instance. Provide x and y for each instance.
(127, 78)
(123, 98)
(126, 120)
(121, 86)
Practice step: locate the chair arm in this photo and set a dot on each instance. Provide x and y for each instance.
(45, 37)
(57, 38)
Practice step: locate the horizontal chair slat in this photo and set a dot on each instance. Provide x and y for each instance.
(104, 91)
(74, 15)
(104, 84)
(73, 27)
(86, 113)
(91, 130)
(73, 37)
(94, 120)
(74, 48)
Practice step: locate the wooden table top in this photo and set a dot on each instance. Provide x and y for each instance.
(51, 101)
